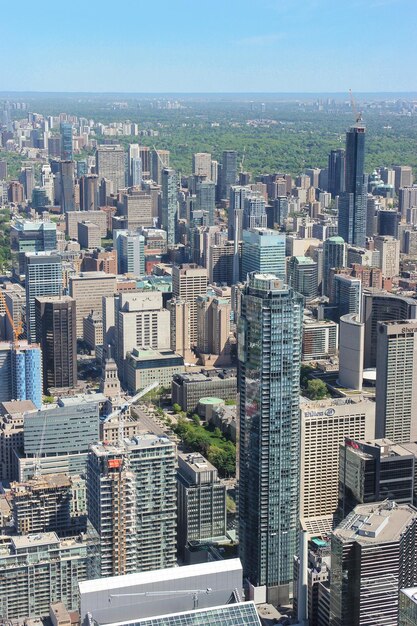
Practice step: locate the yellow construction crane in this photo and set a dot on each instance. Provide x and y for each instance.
(17, 329)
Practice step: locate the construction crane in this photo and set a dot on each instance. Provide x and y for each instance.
(195, 593)
(120, 412)
(358, 116)
(243, 159)
(17, 329)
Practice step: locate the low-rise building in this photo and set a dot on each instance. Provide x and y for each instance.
(146, 366)
(187, 389)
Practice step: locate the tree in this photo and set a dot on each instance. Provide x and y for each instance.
(176, 408)
(316, 389)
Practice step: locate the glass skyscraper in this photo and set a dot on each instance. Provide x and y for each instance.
(269, 354)
(263, 251)
(169, 204)
(353, 202)
(66, 142)
(43, 278)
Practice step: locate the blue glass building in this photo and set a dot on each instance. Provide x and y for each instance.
(269, 356)
(66, 142)
(27, 374)
(263, 250)
(353, 202)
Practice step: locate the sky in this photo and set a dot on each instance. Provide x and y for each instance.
(215, 46)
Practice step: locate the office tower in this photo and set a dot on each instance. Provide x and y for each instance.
(43, 278)
(136, 167)
(379, 306)
(89, 236)
(93, 330)
(21, 372)
(221, 259)
(228, 172)
(42, 504)
(263, 251)
(281, 210)
(66, 186)
(88, 193)
(403, 176)
(131, 497)
(145, 158)
(54, 147)
(97, 217)
(351, 351)
(202, 164)
(15, 192)
(56, 439)
(213, 328)
(407, 197)
(44, 569)
(137, 208)
(87, 289)
(110, 164)
(353, 201)
(145, 366)
(169, 204)
(188, 389)
(160, 161)
(334, 255)
(3, 169)
(269, 353)
(201, 501)
(55, 324)
(66, 142)
(388, 223)
(369, 472)
(396, 382)
(131, 258)
(188, 282)
(374, 554)
(407, 607)
(313, 173)
(140, 320)
(346, 294)
(389, 259)
(324, 426)
(303, 276)
(320, 339)
(206, 199)
(134, 164)
(27, 178)
(254, 213)
(179, 326)
(27, 236)
(336, 172)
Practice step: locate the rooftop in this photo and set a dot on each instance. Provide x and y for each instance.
(376, 523)
(31, 541)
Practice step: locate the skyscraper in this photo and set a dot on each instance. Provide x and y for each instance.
(269, 353)
(228, 172)
(131, 253)
(303, 276)
(396, 381)
(206, 199)
(43, 278)
(88, 193)
(353, 202)
(336, 169)
(263, 251)
(202, 164)
(334, 255)
(188, 282)
(56, 333)
(66, 142)
(110, 164)
(169, 204)
(66, 188)
(160, 161)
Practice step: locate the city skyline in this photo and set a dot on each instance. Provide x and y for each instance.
(254, 46)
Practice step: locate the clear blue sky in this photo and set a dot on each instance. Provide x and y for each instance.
(214, 45)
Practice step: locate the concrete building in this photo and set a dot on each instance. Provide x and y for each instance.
(375, 553)
(213, 328)
(188, 282)
(169, 205)
(320, 339)
(44, 569)
(346, 294)
(88, 289)
(201, 501)
(11, 435)
(160, 160)
(351, 351)
(30, 236)
(110, 164)
(187, 389)
(324, 426)
(180, 326)
(89, 236)
(130, 253)
(136, 207)
(334, 255)
(369, 471)
(55, 322)
(73, 218)
(389, 250)
(93, 330)
(396, 382)
(131, 492)
(202, 164)
(403, 176)
(144, 366)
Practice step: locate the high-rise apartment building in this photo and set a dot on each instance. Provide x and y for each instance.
(374, 554)
(55, 324)
(346, 294)
(334, 255)
(336, 172)
(213, 326)
(88, 289)
(324, 426)
(88, 193)
(396, 381)
(160, 161)
(202, 164)
(66, 188)
(201, 501)
(131, 496)
(303, 276)
(353, 201)
(130, 253)
(403, 176)
(43, 278)
(389, 255)
(30, 236)
(269, 353)
(320, 339)
(263, 251)
(21, 372)
(67, 153)
(110, 164)
(407, 197)
(188, 282)
(169, 204)
(254, 211)
(228, 172)
(206, 199)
